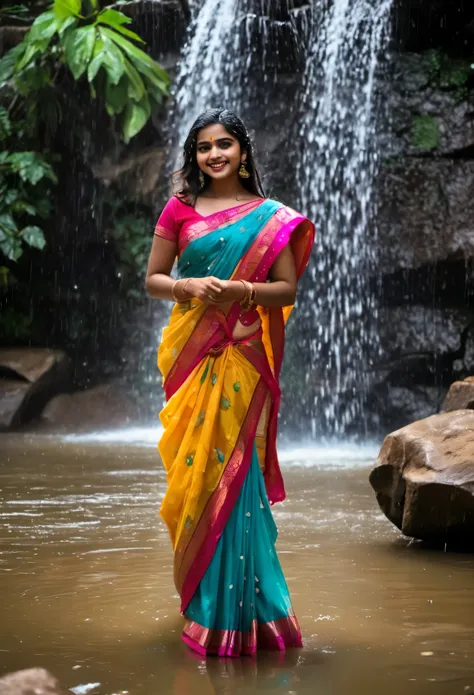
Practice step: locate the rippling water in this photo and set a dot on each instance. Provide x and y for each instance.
(87, 591)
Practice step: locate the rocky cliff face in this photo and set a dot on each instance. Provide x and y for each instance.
(426, 223)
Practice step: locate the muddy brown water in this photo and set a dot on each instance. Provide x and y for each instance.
(87, 591)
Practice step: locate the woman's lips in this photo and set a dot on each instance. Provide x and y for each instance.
(217, 167)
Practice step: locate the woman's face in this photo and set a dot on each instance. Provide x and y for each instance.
(218, 152)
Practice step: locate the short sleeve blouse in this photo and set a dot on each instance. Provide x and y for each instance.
(169, 222)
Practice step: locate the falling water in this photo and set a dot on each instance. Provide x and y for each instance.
(232, 57)
(305, 73)
(336, 174)
(203, 78)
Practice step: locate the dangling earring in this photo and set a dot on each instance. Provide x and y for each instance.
(202, 180)
(243, 172)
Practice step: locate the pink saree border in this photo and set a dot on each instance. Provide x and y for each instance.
(195, 558)
(279, 635)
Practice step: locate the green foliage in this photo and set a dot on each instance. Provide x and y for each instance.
(450, 74)
(132, 234)
(17, 12)
(95, 46)
(15, 324)
(22, 197)
(425, 133)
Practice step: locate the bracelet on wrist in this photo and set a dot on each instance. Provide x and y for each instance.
(248, 300)
(174, 287)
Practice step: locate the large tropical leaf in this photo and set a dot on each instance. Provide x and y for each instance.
(116, 96)
(151, 75)
(135, 54)
(31, 51)
(112, 17)
(44, 26)
(33, 236)
(11, 246)
(110, 58)
(67, 8)
(136, 88)
(66, 23)
(7, 223)
(135, 117)
(9, 60)
(116, 20)
(79, 45)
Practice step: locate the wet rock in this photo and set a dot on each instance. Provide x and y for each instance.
(96, 408)
(430, 105)
(427, 213)
(460, 396)
(31, 681)
(29, 377)
(137, 174)
(424, 478)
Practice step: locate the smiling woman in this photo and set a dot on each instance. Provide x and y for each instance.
(239, 259)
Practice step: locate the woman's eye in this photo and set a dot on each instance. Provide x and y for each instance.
(225, 145)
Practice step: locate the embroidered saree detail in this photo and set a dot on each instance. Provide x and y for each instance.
(219, 440)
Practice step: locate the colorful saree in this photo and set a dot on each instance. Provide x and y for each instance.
(219, 440)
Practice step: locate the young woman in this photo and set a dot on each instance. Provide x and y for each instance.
(239, 258)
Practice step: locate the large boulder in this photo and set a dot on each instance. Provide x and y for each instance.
(29, 377)
(424, 478)
(99, 407)
(31, 681)
(460, 396)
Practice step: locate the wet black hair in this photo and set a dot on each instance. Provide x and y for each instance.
(186, 182)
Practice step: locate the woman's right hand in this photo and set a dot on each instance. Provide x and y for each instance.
(207, 290)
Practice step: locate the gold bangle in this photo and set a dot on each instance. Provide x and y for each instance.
(253, 296)
(245, 298)
(173, 287)
(173, 292)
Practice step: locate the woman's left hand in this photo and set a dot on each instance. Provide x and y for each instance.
(231, 291)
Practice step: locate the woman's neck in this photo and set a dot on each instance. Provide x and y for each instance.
(228, 190)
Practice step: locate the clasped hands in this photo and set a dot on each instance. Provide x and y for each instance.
(209, 290)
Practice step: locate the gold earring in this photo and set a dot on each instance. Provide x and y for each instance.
(243, 171)
(202, 180)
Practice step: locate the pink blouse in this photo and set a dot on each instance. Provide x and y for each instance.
(181, 223)
(174, 216)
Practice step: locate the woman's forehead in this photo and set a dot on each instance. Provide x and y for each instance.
(216, 131)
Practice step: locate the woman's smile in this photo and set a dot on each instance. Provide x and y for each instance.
(218, 166)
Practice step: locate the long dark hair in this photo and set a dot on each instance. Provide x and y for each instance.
(186, 181)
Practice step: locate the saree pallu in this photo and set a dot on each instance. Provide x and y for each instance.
(219, 440)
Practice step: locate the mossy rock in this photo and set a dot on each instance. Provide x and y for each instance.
(425, 133)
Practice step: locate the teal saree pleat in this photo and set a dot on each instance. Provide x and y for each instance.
(243, 597)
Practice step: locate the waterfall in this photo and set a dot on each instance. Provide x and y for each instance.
(205, 76)
(303, 76)
(337, 174)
